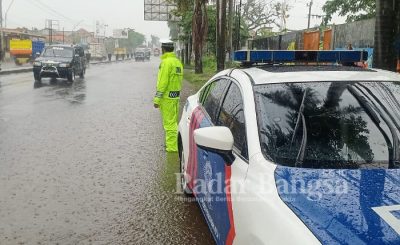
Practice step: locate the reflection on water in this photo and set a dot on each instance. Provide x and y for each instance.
(165, 217)
(343, 124)
(75, 92)
(372, 187)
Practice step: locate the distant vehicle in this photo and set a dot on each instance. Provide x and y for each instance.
(60, 61)
(156, 52)
(25, 50)
(97, 51)
(140, 54)
(37, 48)
(147, 53)
(21, 50)
(120, 53)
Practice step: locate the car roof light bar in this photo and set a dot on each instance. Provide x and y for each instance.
(299, 56)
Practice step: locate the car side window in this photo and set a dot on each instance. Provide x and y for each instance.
(204, 93)
(212, 96)
(232, 116)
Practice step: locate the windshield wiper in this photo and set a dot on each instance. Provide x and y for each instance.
(300, 154)
(374, 112)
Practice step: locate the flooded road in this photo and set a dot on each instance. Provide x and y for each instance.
(85, 164)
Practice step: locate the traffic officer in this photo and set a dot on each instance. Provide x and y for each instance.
(169, 86)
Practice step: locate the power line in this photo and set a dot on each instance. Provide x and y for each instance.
(49, 10)
(53, 10)
(34, 3)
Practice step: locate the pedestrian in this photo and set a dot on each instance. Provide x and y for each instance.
(169, 86)
(349, 46)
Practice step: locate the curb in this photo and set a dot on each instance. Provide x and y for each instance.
(21, 70)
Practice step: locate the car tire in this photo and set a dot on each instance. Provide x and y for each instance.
(38, 78)
(184, 187)
(71, 76)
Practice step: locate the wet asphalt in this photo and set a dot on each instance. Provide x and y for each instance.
(84, 163)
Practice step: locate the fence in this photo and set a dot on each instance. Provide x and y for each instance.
(360, 34)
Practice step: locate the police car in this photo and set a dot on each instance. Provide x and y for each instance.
(280, 152)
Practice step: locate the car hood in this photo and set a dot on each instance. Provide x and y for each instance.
(54, 59)
(344, 206)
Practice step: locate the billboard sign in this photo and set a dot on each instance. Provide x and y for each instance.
(120, 33)
(159, 10)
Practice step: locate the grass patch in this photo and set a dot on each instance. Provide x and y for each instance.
(198, 80)
(209, 70)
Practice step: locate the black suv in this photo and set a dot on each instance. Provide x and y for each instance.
(60, 61)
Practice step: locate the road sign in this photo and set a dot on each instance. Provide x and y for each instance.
(120, 33)
(159, 10)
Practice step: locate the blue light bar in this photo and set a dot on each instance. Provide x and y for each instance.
(299, 56)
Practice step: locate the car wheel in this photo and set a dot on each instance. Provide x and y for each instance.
(71, 76)
(37, 77)
(185, 189)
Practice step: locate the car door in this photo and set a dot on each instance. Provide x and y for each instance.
(221, 105)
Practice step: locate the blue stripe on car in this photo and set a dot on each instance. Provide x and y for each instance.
(336, 205)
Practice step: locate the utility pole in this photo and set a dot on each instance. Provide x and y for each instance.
(309, 13)
(217, 17)
(221, 34)
(239, 25)
(5, 15)
(50, 26)
(51, 32)
(230, 29)
(2, 33)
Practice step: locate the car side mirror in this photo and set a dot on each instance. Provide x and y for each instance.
(216, 139)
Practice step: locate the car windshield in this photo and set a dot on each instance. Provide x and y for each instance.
(338, 125)
(58, 52)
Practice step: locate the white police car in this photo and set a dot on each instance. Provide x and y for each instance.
(292, 154)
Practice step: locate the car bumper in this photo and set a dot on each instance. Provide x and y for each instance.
(57, 72)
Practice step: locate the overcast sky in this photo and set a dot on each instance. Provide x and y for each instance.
(117, 14)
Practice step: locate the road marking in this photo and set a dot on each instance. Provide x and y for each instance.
(385, 213)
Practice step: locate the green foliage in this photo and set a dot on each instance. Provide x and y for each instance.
(354, 10)
(134, 40)
(173, 30)
(244, 31)
(211, 38)
(155, 41)
(210, 62)
(198, 80)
